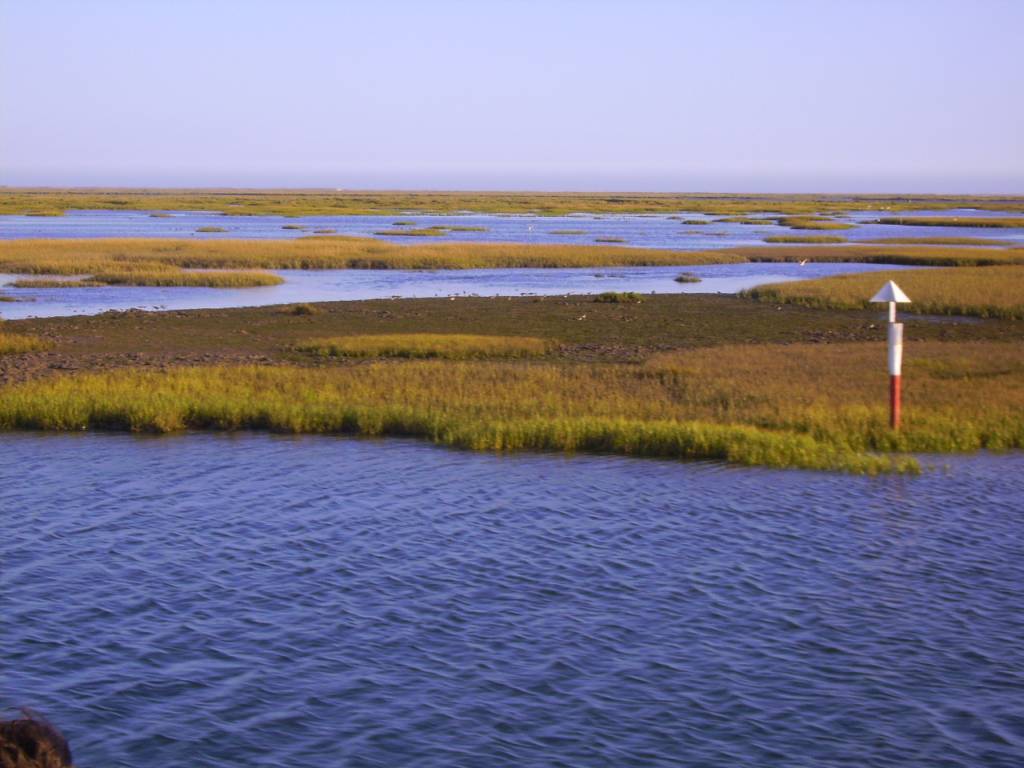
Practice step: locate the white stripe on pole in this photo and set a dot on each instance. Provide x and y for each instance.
(895, 349)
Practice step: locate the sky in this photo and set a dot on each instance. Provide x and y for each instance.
(640, 95)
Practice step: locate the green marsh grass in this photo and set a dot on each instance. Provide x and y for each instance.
(417, 232)
(619, 297)
(920, 255)
(798, 222)
(814, 239)
(687, 277)
(976, 291)
(17, 343)
(89, 256)
(816, 406)
(427, 345)
(300, 310)
(750, 220)
(955, 221)
(211, 229)
(162, 277)
(971, 241)
(306, 203)
(609, 240)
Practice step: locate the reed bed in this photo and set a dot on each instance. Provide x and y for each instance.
(323, 202)
(168, 278)
(811, 406)
(749, 220)
(798, 222)
(115, 257)
(919, 255)
(977, 291)
(205, 230)
(17, 343)
(414, 232)
(92, 256)
(446, 346)
(979, 241)
(955, 221)
(815, 239)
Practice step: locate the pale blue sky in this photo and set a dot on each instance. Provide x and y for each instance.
(734, 95)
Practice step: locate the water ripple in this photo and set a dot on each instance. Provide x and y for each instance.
(221, 600)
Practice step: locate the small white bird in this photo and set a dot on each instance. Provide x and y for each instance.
(803, 262)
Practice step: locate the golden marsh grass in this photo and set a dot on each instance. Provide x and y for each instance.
(16, 343)
(349, 202)
(814, 406)
(977, 291)
(447, 346)
(956, 221)
(92, 256)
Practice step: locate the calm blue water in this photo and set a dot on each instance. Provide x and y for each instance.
(648, 231)
(248, 600)
(351, 284)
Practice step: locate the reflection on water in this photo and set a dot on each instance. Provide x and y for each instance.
(338, 285)
(251, 600)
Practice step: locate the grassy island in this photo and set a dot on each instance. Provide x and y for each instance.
(677, 376)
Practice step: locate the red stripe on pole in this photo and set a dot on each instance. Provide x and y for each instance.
(894, 402)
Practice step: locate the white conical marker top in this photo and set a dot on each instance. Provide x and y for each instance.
(891, 292)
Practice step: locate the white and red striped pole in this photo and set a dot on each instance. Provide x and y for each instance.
(892, 294)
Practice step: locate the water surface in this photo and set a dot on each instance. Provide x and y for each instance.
(641, 230)
(352, 284)
(212, 600)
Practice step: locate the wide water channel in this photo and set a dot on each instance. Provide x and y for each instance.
(352, 284)
(212, 600)
(687, 231)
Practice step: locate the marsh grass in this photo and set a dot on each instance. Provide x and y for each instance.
(609, 240)
(817, 406)
(750, 220)
(567, 232)
(978, 291)
(798, 222)
(970, 241)
(300, 310)
(815, 239)
(619, 297)
(427, 345)
(90, 256)
(17, 343)
(308, 203)
(183, 279)
(211, 229)
(417, 232)
(915, 255)
(955, 221)
(687, 277)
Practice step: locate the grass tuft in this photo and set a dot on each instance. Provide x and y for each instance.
(811, 222)
(426, 345)
(211, 229)
(17, 343)
(300, 310)
(616, 297)
(687, 277)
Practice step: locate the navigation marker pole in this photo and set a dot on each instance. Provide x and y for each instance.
(892, 294)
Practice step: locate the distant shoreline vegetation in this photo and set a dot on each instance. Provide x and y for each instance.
(121, 258)
(54, 202)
